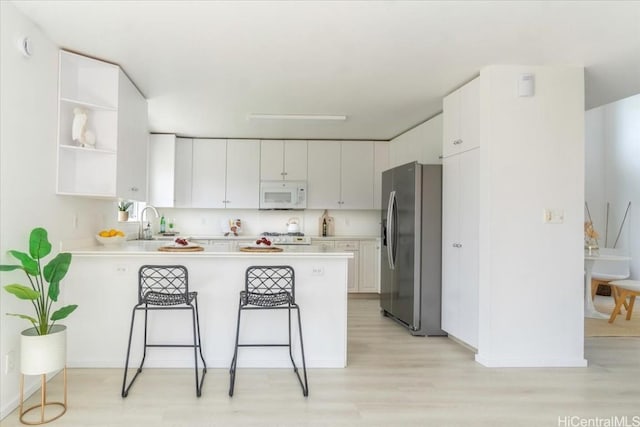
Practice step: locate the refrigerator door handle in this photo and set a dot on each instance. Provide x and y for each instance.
(391, 230)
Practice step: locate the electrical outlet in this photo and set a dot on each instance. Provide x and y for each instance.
(10, 362)
(317, 271)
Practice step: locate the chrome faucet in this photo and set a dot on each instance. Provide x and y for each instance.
(144, 233)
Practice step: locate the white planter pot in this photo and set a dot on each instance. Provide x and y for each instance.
(123, 216)
(41, 354)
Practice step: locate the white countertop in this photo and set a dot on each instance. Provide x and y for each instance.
(150, 248)
(196, 236)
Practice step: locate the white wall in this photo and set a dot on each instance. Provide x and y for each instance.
(28, 113)
(531, 273)
(423, 144)
(613, 174)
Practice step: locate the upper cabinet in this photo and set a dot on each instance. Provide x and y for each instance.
(340, 175)
(243, 174)
(323, 186)
(183, 173)
(461, 121)
(208, 186)
(283, 160)
(133, 142)
(226, 173)
(102, 131)
(204, 173)
(381, 160)
(162, 164)
(356, 172)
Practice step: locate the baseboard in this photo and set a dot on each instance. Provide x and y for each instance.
(530, 362)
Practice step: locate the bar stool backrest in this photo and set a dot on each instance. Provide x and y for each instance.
(162, 279)
(271, 280)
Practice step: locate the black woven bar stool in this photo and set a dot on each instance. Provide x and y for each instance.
(165, 287)
(269, 288)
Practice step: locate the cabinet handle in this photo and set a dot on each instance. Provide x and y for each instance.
(457, 141)
(283, 173)
(134, 188)
(457, 245)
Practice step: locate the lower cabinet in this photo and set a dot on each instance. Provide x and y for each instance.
(369, 266)
(353, 282)
(364, 267)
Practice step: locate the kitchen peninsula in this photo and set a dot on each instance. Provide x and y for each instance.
(103, 282)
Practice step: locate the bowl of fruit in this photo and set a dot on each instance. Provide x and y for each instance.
(111, 237)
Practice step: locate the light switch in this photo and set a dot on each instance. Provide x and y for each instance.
(553, 216)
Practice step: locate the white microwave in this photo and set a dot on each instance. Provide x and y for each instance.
(283, 195)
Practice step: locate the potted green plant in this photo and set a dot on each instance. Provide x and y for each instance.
(123, 210)
(43, 347)
(41, 295)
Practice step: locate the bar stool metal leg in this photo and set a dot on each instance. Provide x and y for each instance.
(232, 370)
(197, 348)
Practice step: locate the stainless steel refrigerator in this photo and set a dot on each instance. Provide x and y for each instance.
(411, 258)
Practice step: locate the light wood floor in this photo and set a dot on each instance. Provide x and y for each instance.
(393, 379)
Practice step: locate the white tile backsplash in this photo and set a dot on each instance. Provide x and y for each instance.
(209, 221)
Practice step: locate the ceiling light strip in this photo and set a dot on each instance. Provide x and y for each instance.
(253, 116)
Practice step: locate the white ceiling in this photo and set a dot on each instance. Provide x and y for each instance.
(205, 65)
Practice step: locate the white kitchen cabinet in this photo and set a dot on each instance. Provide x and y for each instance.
(352, 246)
(323, 184)
(133, 142)
(357, 164)
(183, 173)
(170, 164)
(461, 121)
(460, 246)
(364, 268)
(380, 164)
(116, 116)
(323, 243)
(243, 174)
(340, 175)
(283, 160)
(162, 160)
(369, 265)
(204, 173)
(208, 187)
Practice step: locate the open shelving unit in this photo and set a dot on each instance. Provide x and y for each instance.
(92, 85)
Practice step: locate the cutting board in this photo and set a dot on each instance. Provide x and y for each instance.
(179, 249)
(260, 249)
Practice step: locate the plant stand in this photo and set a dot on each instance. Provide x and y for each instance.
(43, 401)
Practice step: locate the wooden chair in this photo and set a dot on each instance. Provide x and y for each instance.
(605, 271)
(625, 289)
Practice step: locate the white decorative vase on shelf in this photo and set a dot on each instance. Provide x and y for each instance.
(40, 355)
(123, 216)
